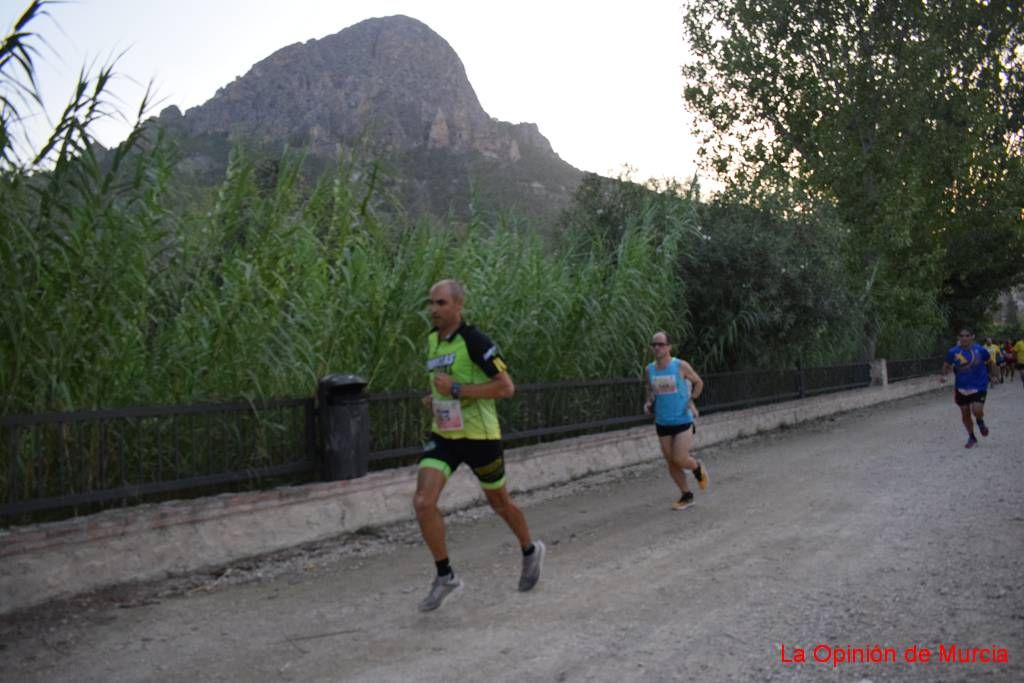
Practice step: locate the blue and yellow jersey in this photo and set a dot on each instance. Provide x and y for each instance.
(970, 366)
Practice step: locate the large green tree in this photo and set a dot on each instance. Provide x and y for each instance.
(766, 292)
(906, 117)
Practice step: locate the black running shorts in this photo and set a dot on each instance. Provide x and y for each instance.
(672, 430)
(484, 456)
(968, 399)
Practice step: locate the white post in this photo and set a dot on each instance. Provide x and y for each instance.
(879, 373)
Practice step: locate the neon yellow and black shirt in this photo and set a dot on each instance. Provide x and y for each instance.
(470, 357)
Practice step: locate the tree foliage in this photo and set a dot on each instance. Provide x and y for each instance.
(763, 287)
(906, 117)
(765, 291)
(604, 209)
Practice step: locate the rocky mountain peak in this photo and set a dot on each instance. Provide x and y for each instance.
(392, 78)
(391, 85)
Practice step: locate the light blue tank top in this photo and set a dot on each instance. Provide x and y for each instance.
(671, 394)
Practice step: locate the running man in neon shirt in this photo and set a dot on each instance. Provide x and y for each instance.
(467, 373)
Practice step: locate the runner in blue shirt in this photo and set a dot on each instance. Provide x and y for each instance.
(971, 364)
(670, 396)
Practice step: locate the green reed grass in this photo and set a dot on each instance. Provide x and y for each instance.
(116, 292)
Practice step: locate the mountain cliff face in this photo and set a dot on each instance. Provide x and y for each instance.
(395, 89)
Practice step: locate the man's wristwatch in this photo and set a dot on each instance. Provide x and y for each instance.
(456, 390)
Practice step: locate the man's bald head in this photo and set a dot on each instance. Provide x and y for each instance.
(450, 288)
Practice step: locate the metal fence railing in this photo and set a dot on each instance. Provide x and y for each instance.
(537, 412)
(544, 411)
(914, 367)
(737, 390)
(836, 378)
(85, 461)
(76, 463)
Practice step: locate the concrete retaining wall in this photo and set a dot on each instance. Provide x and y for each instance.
(46, 561)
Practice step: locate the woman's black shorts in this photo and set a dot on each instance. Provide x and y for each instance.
(672, 430)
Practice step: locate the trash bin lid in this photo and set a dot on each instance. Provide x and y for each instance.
(342, 382)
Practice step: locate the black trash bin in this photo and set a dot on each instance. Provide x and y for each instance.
(344, 411)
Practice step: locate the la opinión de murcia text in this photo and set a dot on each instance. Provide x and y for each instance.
(841, 655)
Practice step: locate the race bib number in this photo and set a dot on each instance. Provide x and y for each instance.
(967, 392)
(664, 384)
(448, 415)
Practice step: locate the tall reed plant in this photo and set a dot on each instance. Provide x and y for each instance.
(300, 293)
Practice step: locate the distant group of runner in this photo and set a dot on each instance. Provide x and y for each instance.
(1008, 358)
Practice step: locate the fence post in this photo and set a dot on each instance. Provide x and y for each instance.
(312, 440)
(344, 412)
(879, 373)
(801, 378)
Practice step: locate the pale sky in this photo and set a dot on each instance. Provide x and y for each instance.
(601, 80)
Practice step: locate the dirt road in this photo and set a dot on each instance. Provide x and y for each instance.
(876, 528)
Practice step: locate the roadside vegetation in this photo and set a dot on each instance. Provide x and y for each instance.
(123, 285)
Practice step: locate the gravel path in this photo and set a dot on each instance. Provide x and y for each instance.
(875, 528)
